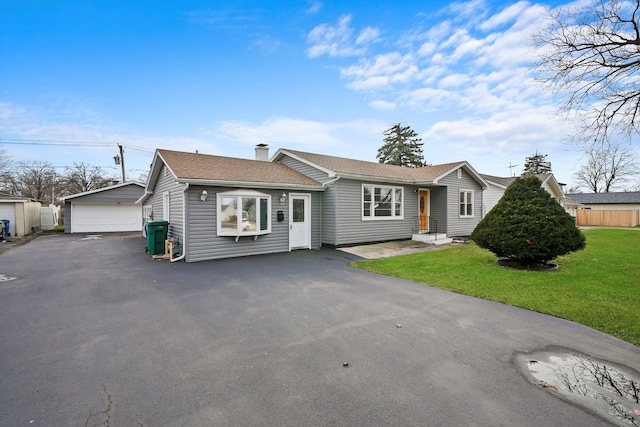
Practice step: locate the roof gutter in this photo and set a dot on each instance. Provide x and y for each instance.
(383, 179)
(144, 197)
(325, 184)
(184, 224)
(277, 185)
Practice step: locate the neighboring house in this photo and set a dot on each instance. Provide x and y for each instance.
(629, 200)
(607, 209)
(498, 185)
(107, 209)
(220, 207)
(23, 214)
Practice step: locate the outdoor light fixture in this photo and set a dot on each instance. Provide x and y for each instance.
(203, 195)
(283, 198)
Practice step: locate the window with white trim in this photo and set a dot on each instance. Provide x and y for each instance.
(466, 203)
(243, 213)
(382, 202)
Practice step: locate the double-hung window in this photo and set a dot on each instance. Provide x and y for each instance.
(466, 203)
(243, 213)
(382, 202)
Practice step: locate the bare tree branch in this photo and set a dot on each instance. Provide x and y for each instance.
(590, 59)
(608, 167)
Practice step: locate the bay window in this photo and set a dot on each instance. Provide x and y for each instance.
(243, 213)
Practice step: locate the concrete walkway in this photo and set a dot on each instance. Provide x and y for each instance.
(395, 248)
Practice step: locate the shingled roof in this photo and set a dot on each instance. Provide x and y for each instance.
(363, 169)
(629, 197)
(205, 168)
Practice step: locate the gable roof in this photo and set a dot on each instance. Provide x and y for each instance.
(360, 169)
(229, 171)
(606, 198)
(100, 190)
(498, 181)
(506, 181)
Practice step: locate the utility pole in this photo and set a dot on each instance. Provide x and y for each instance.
(510, 167)
(122, 161)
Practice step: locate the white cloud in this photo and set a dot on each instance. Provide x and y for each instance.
(314, 7)
(335, 138)
(95, 138)
(368, 35)
(383, 105)
(510, 131)
(337, 41)
(384, 70)
(472, 61)
(505, 16)
(279, 131)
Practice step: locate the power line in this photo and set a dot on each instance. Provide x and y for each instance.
(16, 141)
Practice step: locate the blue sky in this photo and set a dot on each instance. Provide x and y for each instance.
(320, 76)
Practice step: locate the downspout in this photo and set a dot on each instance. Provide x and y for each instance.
(324, 184)
(184, 224)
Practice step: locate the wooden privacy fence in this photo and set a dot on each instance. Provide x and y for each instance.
(620, 218)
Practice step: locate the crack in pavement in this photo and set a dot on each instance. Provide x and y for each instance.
(106, 412)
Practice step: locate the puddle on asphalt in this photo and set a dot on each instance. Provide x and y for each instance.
(607, 389)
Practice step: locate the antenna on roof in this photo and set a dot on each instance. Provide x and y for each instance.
(511, 167)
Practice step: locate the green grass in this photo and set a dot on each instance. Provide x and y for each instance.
(56, 229)
(598, 286)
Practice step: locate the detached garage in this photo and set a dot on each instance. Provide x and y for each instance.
(108, 209)
(22, 213)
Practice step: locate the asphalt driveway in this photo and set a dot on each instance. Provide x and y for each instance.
(95, 332)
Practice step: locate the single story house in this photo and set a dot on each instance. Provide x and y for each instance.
(498, 185)
(220, 207)
(607, 209)
(629, 200)
(107, 209)
(22, 213)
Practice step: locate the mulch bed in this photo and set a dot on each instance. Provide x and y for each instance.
(516, 265)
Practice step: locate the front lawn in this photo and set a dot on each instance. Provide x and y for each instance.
(598, 286)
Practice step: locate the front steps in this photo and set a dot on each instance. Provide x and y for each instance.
(432, 239)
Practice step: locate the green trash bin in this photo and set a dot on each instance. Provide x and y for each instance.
(156, 235)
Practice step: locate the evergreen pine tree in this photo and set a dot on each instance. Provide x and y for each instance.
(528, 225)
(536, 164)
(402, 147)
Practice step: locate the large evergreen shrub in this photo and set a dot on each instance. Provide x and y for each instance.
(528, 225)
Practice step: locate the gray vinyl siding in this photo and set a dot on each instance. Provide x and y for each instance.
(305, 169)
(329, 215)
(317, 210)
(203, 243)
(167, 183)
(438, 210)
(352, 229)
(67, 217)
(457, 226)
(126, 194)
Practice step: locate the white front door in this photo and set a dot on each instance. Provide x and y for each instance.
(299, 221)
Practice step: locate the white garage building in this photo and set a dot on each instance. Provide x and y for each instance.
(22, 213)
(108, 209)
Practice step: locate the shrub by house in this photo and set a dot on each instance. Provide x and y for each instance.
(528, 226)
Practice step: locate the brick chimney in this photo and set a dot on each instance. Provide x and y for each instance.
(262, 152)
